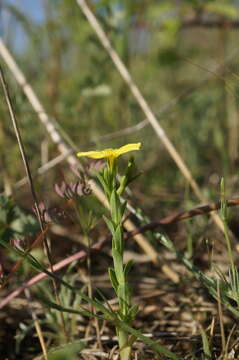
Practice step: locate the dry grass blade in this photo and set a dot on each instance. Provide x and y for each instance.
(220, 314)
(37, 325)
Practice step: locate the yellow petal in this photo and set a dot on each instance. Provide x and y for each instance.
(92, 154)
(126, 148)
(110, 153)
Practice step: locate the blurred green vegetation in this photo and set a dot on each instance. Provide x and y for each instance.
(183, 56)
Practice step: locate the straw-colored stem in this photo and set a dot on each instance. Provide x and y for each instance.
(125, 349)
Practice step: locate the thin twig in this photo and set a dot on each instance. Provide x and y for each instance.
(125, 131)
(209, 23)
(199, 210)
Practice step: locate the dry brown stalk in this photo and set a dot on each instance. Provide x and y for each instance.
(199, 210)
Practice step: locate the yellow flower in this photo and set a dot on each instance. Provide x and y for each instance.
(110, 154)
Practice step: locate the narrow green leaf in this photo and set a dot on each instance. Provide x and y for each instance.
(127, 268)
(55, 306)
(113, 279)
(124, 296)
(115, 207)
(158, 348)
(118, 265)
(122, 185)
(123, 207)
(110, 224)
(133, 312)
(104, 184)
(107, 178)
(118, 239)
(66, 351)
(205, 342)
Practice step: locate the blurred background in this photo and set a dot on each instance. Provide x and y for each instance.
(182, 54)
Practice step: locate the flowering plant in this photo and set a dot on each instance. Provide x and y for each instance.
(119, 273)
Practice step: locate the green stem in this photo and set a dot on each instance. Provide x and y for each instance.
(125, 349)
(122, 291)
